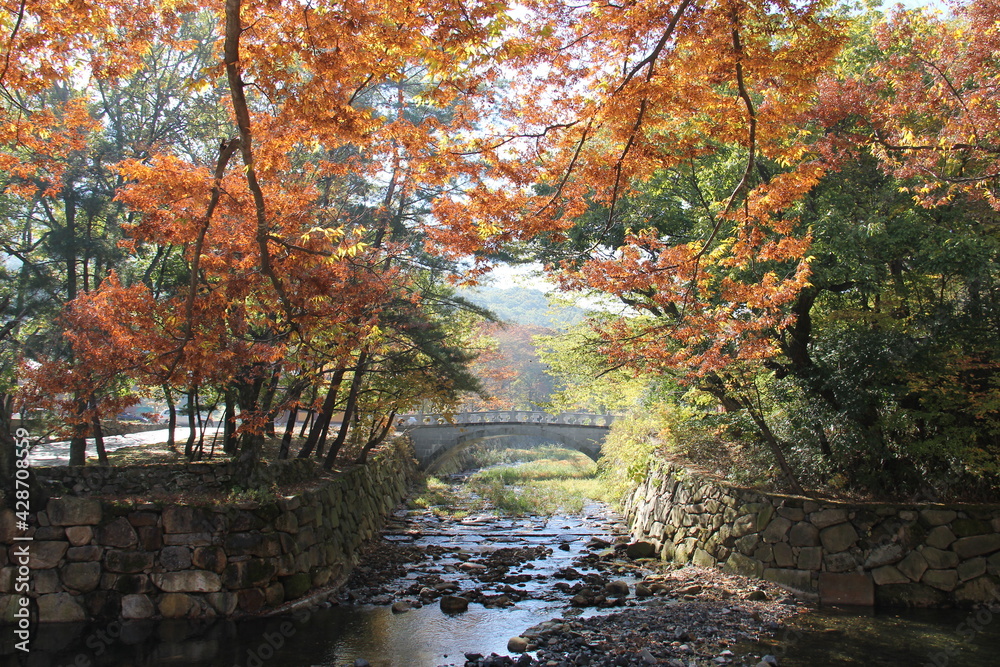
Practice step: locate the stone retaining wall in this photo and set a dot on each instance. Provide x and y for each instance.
(167, 478)
(841, 553)
(93, 559)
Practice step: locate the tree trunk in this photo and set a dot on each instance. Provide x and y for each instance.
(307, 422)
(8, 452)
(294, 393)
(12, 444)
(775, 447)
(171, 418)
(321, 441)
(286, 439)
(192, 423)
(231, 53)
(102, 455)
(229, 444)
(199, 448)
(322, 420)
(69, 203)
(267, 400)
(78, 441)
(375, 442)
(349, 408)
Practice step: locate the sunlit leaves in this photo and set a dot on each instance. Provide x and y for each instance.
(928, 99)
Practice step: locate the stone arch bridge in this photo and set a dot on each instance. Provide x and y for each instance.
(438, 437)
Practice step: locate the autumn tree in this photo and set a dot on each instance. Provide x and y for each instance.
(288, 233)
(850, 341)
(513, 375)
(667, 91)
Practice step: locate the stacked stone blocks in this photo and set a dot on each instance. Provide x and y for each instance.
(93, 559)
(842, 553)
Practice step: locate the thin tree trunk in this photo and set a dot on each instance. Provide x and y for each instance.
(375, 442)
(286, 439)
(268, 399)
(171, 418)
(69, 204)
(215, 438)
(102, 455)
(322, 419)
(824, 446)
(775, 447)
(307, 422)
(78, 441)
(321, 441)
(189, 445)
(295, 390)
(9, 451)
(229, 444)
(231, 52)
(199, 449)
(349, 408)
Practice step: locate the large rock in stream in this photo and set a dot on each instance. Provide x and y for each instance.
(638, 550)
(453, 604)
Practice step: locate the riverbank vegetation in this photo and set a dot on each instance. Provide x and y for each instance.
(264, 209)
(515, 482)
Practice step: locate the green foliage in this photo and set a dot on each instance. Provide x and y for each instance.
(570, 465)
(258, 495)
(584, 380)
(439, 497)
(627, 449)
(491, 454)
(544, 480)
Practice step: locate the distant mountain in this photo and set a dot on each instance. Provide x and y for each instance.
(524, 305)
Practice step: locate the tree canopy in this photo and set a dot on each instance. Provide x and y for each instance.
(265, 204)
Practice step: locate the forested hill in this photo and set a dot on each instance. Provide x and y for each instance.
(525, 305)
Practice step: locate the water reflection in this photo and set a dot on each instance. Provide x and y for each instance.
(896, 638)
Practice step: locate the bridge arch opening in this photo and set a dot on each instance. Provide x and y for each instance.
(446, 454)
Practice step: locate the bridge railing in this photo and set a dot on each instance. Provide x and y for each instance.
(506, 416)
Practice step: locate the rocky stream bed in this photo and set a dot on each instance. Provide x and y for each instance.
(610, 603)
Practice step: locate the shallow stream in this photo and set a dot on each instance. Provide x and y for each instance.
(341, 634)
(427, 637)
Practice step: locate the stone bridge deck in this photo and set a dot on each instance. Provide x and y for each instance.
(437, 436)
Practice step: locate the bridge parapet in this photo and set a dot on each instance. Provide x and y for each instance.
(507, 416)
